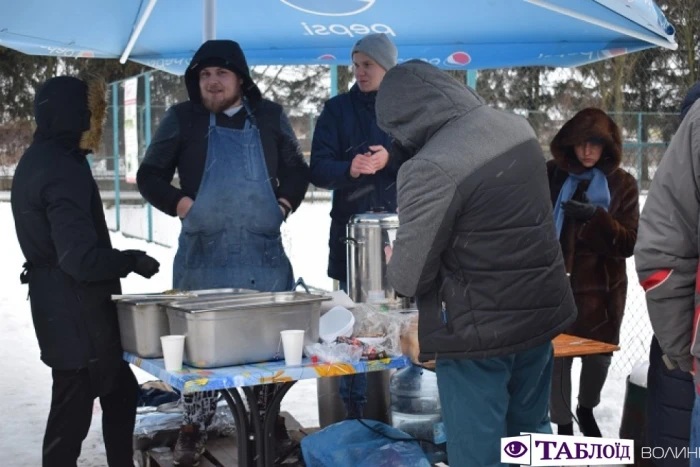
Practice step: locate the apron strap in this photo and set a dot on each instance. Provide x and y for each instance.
(212, 119)
(250, 121)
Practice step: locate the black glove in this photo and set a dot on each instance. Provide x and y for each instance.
(579, 210)
(142, 264)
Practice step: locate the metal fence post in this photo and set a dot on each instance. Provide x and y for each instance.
(640, 151)
(115, 148)
(471, 78)
(147, 141)
(334, 80)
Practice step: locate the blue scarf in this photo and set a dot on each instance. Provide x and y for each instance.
(598, 193)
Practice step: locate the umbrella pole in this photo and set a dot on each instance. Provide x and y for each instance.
(209, 15)
(137, 31)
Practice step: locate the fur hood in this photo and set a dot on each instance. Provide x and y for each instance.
(71, 112)
(587, 124)
(91, 139)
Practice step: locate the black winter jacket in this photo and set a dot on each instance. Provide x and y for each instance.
(72, 269)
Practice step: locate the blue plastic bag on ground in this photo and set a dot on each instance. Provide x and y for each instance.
(351, 444)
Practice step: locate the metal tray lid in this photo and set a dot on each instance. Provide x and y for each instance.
(155, 298)
(245, 302)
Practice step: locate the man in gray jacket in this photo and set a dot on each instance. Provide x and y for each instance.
(666, 258)
(478, 249)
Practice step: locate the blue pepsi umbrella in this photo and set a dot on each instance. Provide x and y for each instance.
(456, 34)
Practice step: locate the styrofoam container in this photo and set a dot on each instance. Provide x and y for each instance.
(338, 321)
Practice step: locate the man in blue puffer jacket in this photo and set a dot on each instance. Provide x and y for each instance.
(350, 155)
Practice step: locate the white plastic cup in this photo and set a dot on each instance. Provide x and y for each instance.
(173, 350)
(293, 344)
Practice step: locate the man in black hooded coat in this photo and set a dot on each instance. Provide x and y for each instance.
(72, 271)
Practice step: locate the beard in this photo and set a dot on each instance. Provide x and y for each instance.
(217, 105)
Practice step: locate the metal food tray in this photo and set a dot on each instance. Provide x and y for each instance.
(242, 329)
(142, 321)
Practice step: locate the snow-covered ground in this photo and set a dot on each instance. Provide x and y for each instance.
(26, 386)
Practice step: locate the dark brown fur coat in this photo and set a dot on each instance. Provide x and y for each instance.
(595, 252)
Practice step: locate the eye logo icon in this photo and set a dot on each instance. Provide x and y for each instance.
(515, 449)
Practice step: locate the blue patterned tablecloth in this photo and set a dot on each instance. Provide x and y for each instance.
(191, 379)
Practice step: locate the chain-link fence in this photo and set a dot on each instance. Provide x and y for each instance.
(646, 108)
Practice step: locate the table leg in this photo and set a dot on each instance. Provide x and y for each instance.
(235, 404)
(271, 413)
(257, 426)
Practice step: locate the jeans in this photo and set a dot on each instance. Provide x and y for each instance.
(695, 433)
(486, 400)
(353, 388)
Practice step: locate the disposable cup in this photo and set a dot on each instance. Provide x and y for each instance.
(293, 344)
(173, 350)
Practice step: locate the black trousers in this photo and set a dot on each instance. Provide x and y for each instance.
(71, 413)
(670, 400)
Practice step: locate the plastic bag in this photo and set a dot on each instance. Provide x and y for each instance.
(390, 325)
(150, 421)
(365, 443)
(334, 353)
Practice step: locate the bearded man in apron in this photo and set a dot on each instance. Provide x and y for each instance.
(241, 174)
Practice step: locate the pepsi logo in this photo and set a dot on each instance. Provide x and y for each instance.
(327, 57)
(330, 8)
(459, 59)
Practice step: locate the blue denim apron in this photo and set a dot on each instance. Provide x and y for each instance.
(231, 236)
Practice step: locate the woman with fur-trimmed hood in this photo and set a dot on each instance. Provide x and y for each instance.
(596, 211)
(72, 271)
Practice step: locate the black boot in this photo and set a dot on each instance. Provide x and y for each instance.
(566, 430)
(190, 446)
(587, 422)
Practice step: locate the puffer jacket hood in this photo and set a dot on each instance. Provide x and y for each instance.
(590, 123)
(690, 98)
(226, 54)
(71, 111)
(412, 112)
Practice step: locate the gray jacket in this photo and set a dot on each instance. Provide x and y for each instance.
(476, 244)
(666, 254)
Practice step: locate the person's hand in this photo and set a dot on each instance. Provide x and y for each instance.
(380, 157)
(582, 211)
(283, 203)
(362, 165)
(142, 264)
(388, 251)
(184, 206)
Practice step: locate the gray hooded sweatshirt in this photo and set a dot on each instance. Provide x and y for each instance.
(667, 251)
(476, 245)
